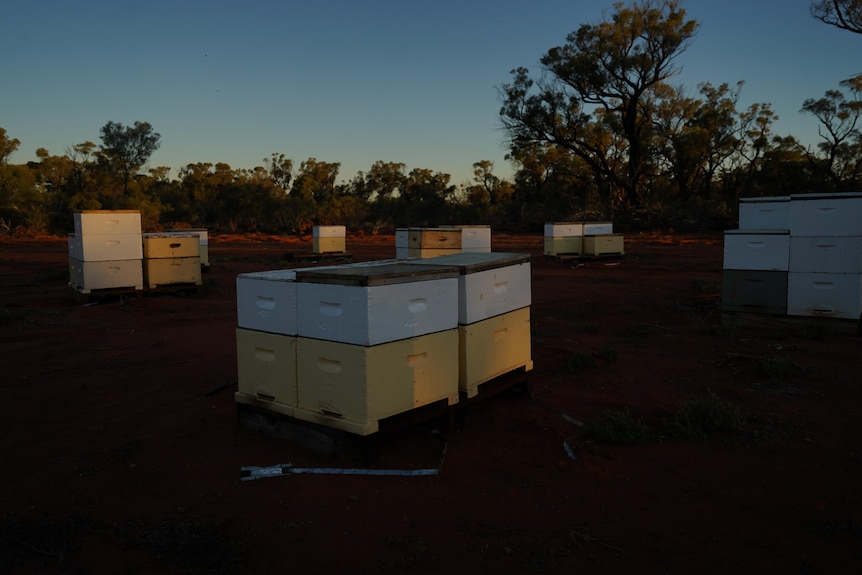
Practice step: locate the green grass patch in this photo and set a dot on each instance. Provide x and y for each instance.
(695, 418)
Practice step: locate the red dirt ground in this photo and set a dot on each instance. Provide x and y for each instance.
(121, 452)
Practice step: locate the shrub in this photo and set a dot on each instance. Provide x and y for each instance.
(619, 428)
(694, 418)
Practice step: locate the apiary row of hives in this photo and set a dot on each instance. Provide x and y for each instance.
(347, 346)
(422, 243)
(582, 239)
(798, 255)
(109, 251)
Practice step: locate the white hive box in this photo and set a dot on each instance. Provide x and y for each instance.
(435, 238)
(370, 305)
(489, 284)
(170, 246)
(266, 365)
(821, 254)
(352, 387)
(474, 238)
(172, 271)
(493, 347)
(329, 239)
(266, 301)
(826, 214)
(604, 244)
(107, 222)
(764, 213)
(757, 250)
(86, 276)
(564, 229)
(203, 238)
(824, 295)
(402, 246)
(754, 291)
(598, 228)
(105, 247)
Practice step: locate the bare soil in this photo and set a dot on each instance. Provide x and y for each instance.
(121, 451)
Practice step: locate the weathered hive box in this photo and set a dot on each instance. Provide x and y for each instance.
(203, 238)
(824, 295)
(489, 284)
(598, 228)
(98, 275)
(105, 247)
(374, 304)
(170, 245)
(764, 213)
(171, 271)
(436, 238)
(493, 347)
(754, 291)
(107, 222)
(353, 387)
(266, 366)
(563, 245)
(604, 244)
(826, 214)
(826, 254)
(767, 250)
(402, 243)
(329, 239)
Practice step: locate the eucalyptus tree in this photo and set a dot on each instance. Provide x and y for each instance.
(843, 14)
(127, 148)
(601, 79)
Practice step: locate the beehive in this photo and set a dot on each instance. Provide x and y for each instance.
(824, 295)
(826, 254)
(493, 347)
(563, 238)
(598, 228)
(97, 275)
(402, 246)
(329, 239)
(353, 387)
(173, 245)
(826, 214)
(105, 247)
(757, 250)
(369, 305)
(107, 222)
(434, 238)
(754, 291)
(426, 253)
(266, 367)
(474, 238)
(172, 271)
(203, 240)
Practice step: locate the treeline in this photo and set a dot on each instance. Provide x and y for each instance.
(601, 133)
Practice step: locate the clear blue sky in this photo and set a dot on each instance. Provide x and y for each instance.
(355, 81)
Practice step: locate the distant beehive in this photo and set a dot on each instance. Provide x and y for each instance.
(564, 238)
(203, 239)
(105, 251)
(329, 239)
(171, 259)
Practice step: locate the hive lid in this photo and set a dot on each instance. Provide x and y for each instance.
(768, 232)
(764, 199)
(472, 262)
(385, 274)
(829, 196)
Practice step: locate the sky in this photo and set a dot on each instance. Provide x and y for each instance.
(355, 82)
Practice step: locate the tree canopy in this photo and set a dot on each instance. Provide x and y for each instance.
(843, 14)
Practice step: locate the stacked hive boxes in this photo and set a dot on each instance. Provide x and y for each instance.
(171, 259)
(105, 252)
(582, 238)
(203, 239)
(474, 238)
(433, 242)
(798, 255)
(494, 298)
(329, 239)
(347, 346)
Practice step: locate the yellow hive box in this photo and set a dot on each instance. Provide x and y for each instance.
(328, 245)
(563, 245)
(493, 347)
(266, 367)
(168, 271)
(423, 253)
(439, 238)
(171, 246)
(352, 387)
(603, 244)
